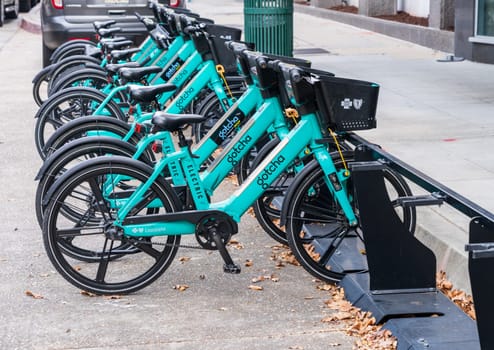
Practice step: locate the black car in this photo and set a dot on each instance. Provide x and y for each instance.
(63, 20)
(11, 8)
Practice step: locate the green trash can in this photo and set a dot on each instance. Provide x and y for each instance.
(269, 24)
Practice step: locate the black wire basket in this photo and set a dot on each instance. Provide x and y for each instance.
(346, 104)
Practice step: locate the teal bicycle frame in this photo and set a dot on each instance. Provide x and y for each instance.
(303, 135)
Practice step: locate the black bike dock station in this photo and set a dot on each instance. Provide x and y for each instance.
(396, 281)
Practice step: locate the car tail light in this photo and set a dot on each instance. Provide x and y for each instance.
(173, 3)
(58, 4)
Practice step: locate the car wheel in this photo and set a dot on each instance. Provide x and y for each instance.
(1, 13)
(25, 5)
(14, 13)
(46, 54)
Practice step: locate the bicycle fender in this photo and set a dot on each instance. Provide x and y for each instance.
(47, 164)
(42, 108)
(110, 161)
(91, 119)
(43, 72)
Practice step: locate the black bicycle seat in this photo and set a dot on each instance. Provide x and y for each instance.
(140, 93)
(164, 121)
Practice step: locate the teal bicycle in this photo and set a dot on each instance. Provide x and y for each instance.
(273, 121)
(126, 202)
(199, 71)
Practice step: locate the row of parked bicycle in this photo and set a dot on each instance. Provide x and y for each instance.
(136, 140)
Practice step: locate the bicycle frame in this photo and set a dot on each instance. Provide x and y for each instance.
(200, 73)
(304, 134)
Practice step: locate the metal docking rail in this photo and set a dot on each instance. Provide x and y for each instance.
(399, 287)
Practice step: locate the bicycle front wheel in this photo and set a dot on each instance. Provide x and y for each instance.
(68, 105)
(317, 230)
(87, 192)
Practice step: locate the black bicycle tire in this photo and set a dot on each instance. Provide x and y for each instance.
(72, 62)
(82, 75)
(74, 274)
(37, 86)
(305, 180)
(56, 164)
(61, 97)
(59, 50)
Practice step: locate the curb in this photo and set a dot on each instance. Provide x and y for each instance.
(30, 21)
(30, 26)
(429, 37)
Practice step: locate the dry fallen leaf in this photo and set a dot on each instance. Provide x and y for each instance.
(253, 287)
(358, 323)
(257, 279)
(460, 298)
(233, 179)
(87, 294)
(181, 287)
(34, 295)
(249, 263)
(281, 254)
(113, 297)
(250, 211)
(184, 259)
(235, 244)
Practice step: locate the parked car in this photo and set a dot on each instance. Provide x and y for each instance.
(11, 8)
(63, 20)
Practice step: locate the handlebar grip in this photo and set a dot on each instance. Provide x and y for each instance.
(236, 47)
(274, 65)
(261, 62)
(295, 75)
(189, 30)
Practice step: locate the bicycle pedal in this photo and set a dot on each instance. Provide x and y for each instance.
(231, 268)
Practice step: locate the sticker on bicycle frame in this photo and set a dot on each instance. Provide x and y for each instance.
(227, 127)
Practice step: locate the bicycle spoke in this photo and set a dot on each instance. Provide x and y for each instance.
(103, 263)
(147, 198)
(148, 249)
(79, 232)
(332, 247)
(100, 201)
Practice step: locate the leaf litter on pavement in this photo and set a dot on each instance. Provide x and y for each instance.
(361, 324)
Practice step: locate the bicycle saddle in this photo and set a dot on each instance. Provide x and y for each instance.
(108, 32)
(115, 67)
(118, 55)
(140, 93)
(163, 121)
(136, 74)
(115, 45)
(104, 41)
(103, 24)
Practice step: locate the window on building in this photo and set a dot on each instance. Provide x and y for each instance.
(485, 17)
